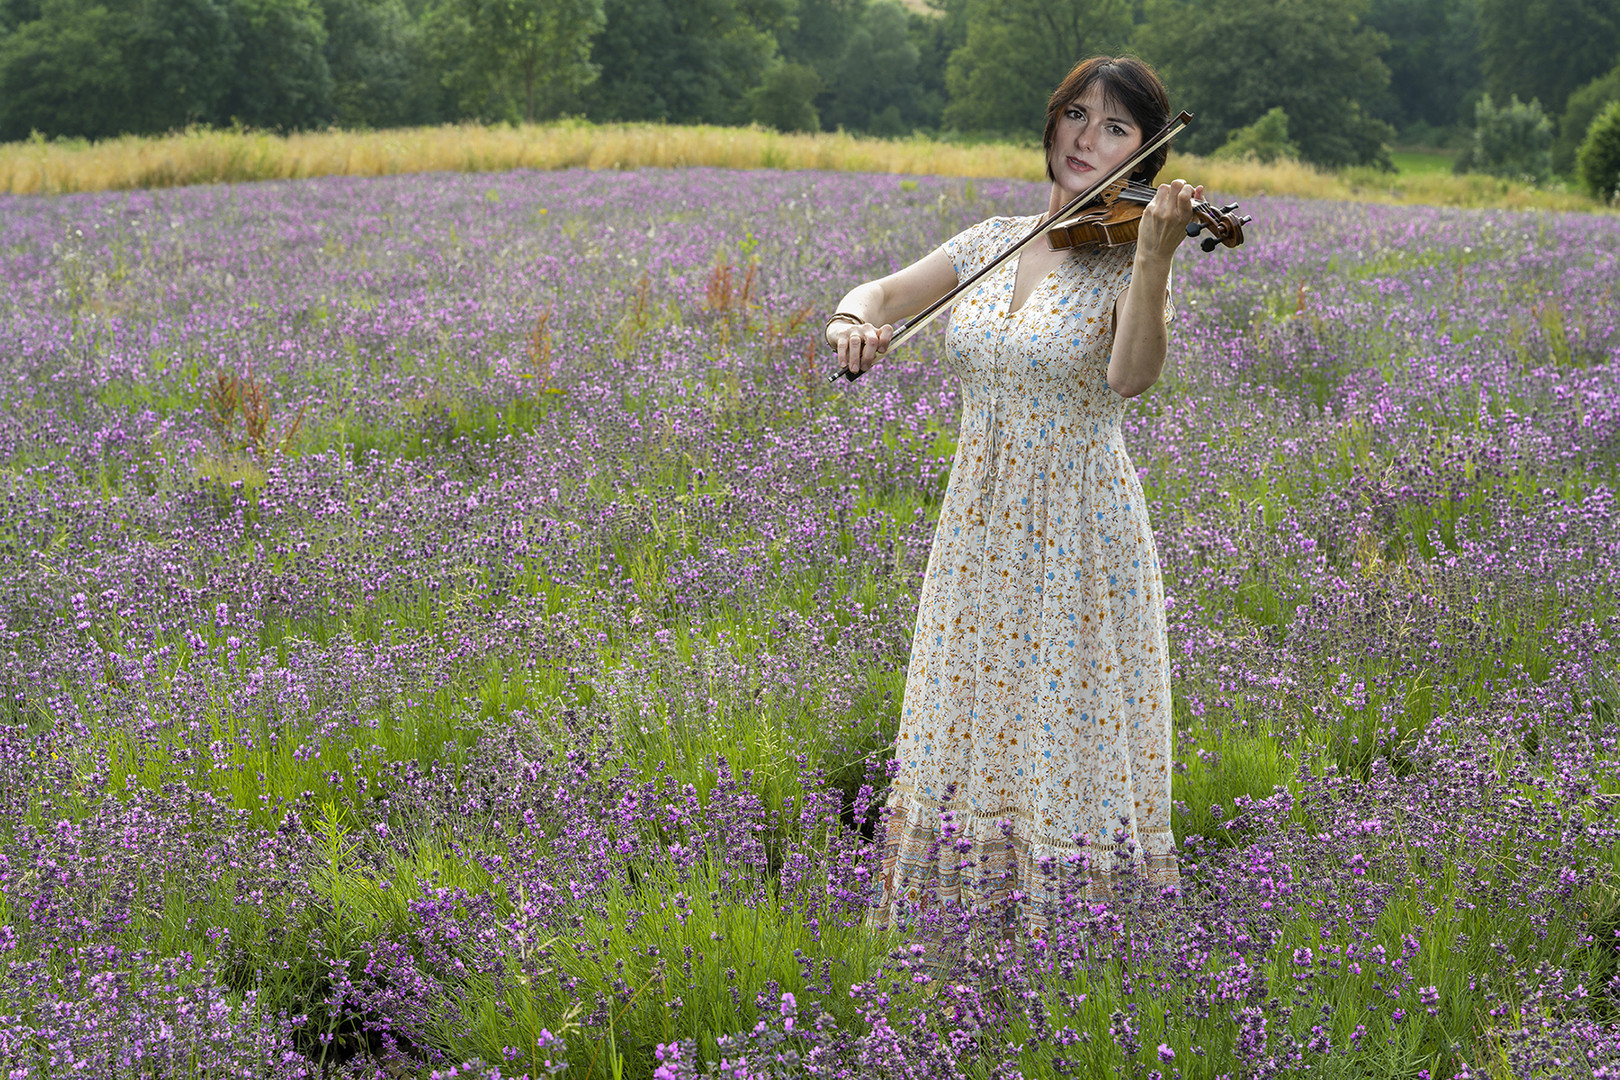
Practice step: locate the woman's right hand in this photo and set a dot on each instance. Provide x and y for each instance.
(859, 344)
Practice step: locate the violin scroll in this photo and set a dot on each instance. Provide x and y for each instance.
(1223, 227)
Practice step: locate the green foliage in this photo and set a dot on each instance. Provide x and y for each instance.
(543, 44)
(1582, 108)
(375, 52)
(1433, 58)
(1341, 70)
(13, 13)
(1264, 140)
(875, 64)
(468, 86)
(1236, 764)
(786, 99)
(1512, 141)
(100, 69)
(874, 83)
(1600, 155)
(1229, 63)
(187, 54)
(64, 72)
(1545, 49)
(287, 84)
(990, 94)
(819, 31)
(936, 36)
(818, 36)
(684, 61)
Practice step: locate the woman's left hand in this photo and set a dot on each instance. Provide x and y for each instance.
(1165, 220)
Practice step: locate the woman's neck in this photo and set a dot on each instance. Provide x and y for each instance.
(1056, 201)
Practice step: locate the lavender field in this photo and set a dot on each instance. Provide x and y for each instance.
(449, 627)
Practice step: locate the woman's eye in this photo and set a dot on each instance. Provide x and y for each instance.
(1115, 129)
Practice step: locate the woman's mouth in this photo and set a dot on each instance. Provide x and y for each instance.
(1079, 166)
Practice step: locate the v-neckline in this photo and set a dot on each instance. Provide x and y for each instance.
(1017, 264)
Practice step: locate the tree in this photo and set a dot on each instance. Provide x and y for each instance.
(1545, 49)
(469, 86)
(786, 100)
(1264, 140)
(374, 50)
(1433, 59)
(874, 85)
(1511, 141)
(1229, 62)
(870, 61)
(1583, 107)
(818, 33)
(1016, 53)
(683, 61)
(185, 61)
(1600, 155)
(13, 13)
(283, 80)
(544, 44)
(65, 72)
(937, 34)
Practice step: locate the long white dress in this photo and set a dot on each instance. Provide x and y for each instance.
(1038, 691)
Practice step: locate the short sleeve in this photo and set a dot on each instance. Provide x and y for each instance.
(971, 248)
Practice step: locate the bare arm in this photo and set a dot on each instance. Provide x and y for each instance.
(884, 302)
(1140, 338)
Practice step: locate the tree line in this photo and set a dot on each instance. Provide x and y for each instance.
(1331, 81)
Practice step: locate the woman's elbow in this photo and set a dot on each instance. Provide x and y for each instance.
(1132, 385)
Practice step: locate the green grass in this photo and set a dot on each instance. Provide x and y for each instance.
(1418, 160)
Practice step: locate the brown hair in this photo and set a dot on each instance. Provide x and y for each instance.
(1130, 84)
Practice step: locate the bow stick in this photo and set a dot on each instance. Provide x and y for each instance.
(914, 325)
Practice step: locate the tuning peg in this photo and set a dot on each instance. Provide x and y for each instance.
(1229, 209)
(1210, 243)
(1194, 227)
(1245, 219)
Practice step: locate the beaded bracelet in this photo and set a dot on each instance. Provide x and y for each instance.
(837, 315)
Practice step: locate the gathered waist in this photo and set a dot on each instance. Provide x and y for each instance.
(992, 457)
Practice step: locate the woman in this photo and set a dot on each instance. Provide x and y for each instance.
(1038, 689)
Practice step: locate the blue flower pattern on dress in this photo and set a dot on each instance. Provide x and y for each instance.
(1038, 690)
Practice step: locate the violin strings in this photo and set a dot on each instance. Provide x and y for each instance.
(1146, 191)
(1138, 188)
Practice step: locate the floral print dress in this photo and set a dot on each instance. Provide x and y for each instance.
(1036, 717)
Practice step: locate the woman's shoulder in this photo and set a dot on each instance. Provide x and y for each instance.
(978, 244)
(1006, 224)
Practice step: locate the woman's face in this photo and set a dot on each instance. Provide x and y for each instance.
(1093, 135)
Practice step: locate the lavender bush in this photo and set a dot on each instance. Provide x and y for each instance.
(448, 627)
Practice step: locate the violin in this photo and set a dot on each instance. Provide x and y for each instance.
(1080, 222)
(1115, 222)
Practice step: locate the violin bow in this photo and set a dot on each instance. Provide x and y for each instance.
(914, 325)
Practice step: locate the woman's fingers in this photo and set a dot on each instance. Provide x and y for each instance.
(1165, 219)
(1179, 203)
(849, 348)
(862, 345)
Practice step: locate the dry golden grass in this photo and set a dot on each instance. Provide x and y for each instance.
(205, 156)
(1366, 184)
